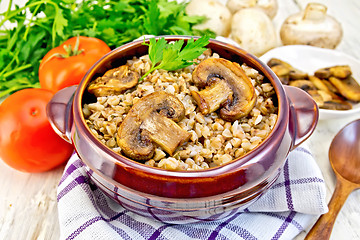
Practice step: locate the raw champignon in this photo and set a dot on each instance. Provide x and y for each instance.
(270, 7)
(114, 81)
(152, 120)
(226, 87)
(311, 27)
(218, 16)
(253, 30)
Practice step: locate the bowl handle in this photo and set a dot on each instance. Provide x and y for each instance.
(59, 112)
(304, 114)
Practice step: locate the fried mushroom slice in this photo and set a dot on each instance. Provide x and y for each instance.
(340, 71)
(323, 86)
(132, 141)
(348, 88)
(237, 94)
(151, 120)
(317, 97)
(285, 71)
(114, 81)
(325, 101)
(212, 97)
(337, 104)
(318, 83)
(282, 72)
(304, 84)
(164, 132)
(330, 86)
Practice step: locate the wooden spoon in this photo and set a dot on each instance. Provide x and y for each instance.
(344, 155)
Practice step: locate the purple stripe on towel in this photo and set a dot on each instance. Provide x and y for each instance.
(70, 169)
(304, 150)
(287, 187)
(157, 232)
(77, 181)
(83, 227)
(283, 227)
(242, 232)
(100, 202)
(299, 181)
(245, 234)
(281, 217)
(93, 220)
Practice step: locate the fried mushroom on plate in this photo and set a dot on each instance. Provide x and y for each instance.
(331, 87)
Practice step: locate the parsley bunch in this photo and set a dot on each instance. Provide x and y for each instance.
(41, 25)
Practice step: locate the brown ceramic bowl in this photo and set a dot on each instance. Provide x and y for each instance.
(184, 196)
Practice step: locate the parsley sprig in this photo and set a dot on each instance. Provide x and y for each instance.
(174, 55)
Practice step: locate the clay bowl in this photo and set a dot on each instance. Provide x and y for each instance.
(179, 196)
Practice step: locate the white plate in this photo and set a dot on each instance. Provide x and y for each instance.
(309, 59)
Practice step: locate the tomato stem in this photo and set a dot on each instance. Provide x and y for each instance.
(70, 52)
(73, 51)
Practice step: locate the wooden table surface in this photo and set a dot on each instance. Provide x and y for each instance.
(28, 206)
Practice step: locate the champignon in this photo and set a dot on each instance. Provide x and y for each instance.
(315, 94)
(212, 97)
(285, 71)
(152, 120)
(337, 104)
(218, 16)
(330, 86)
(319, 84)
(303, 84)
(253, 30)
(226, 87)
(348, 87)
(114, 81)
(312, 27)
(270, 7)
(339, 71)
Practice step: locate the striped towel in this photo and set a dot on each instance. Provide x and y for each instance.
(287, 208)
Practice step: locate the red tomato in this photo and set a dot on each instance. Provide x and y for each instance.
(27, 141)
(67, 64)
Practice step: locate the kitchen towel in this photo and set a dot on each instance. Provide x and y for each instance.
(292, 203)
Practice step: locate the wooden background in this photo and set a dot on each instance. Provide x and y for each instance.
(28, 207)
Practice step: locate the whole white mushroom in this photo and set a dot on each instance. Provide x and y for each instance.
(217, 14)
(270, 7)
(253, 30)
(311, 27)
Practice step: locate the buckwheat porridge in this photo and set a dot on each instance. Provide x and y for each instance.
(174, 121)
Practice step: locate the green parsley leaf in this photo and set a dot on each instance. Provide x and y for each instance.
(153, 22)
(173, 56)
(59, 22)
(193, 49)
(156, 49)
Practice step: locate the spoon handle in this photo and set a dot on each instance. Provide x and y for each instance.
(324, 225)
